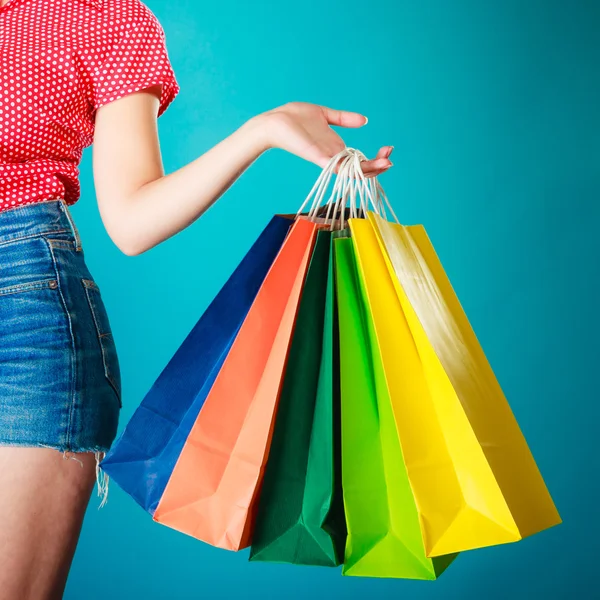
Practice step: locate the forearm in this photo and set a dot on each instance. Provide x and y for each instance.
(163, 207)
(141, 206)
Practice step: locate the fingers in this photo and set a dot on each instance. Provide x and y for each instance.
(385, 152)
(370, 168)
(343, 118)
(339, 164)
(378, 165)
(374, 168)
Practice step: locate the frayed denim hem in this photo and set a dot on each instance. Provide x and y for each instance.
(102, 479)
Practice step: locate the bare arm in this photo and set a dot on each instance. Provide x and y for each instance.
(141, 206)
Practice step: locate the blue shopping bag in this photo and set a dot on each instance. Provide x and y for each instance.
(143, 457)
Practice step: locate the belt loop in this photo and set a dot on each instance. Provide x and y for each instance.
(72, 224)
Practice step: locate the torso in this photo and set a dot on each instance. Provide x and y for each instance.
(51, 61)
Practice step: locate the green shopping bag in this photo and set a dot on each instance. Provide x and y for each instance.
(300, 515)
(384, 537)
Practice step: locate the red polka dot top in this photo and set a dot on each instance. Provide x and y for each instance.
(59, 61)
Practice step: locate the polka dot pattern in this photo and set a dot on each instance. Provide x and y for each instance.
(60, 60)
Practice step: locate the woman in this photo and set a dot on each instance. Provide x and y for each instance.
(72, 74)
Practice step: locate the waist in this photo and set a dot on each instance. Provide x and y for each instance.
(39, 218)
(38, 180)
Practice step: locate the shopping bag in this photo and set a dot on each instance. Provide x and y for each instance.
(300, 516)
(384, 534)
(143, 457)
(212, 491)
(474, 478)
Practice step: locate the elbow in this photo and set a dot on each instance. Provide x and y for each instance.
(121, 225)
(128, 238)
(130, 249)
(128, 245)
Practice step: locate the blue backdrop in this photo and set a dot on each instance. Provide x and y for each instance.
(493, 111)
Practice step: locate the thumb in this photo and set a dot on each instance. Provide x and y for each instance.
(343, 118)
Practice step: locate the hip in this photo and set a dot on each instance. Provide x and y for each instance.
(60, 381)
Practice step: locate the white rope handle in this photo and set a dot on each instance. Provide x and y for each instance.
(336, 187)
(347, 185)
(365, 188)
(355, 185)
(340, 192)
(351, 187)
(323, 180)
(339, 188)
(382, 199)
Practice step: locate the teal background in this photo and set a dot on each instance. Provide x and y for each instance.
(493, 111)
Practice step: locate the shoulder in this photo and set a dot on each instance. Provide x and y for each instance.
(126, 12)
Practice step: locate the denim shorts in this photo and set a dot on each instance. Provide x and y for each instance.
(60, 382)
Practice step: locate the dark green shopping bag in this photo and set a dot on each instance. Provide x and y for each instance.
(300, 515)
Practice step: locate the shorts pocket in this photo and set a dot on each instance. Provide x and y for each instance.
(110, 358)
(28, 286)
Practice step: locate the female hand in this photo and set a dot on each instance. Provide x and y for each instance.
(131, 186)
(305, 130)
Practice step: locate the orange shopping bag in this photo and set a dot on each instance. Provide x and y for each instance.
(212, 492)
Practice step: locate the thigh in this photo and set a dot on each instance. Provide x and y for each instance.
(43, 497)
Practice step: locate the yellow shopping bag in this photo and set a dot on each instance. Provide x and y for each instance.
(473, 477)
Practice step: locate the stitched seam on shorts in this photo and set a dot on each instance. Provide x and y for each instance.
(64, 244)
(73, 354)
(74, 230)
(33, 235)
(24, 206)
(88, 284)
(29, 286)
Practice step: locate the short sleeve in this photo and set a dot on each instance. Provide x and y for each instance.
(136, 59)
